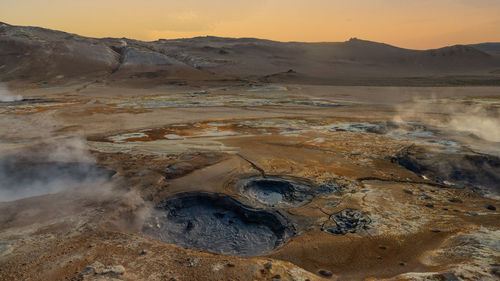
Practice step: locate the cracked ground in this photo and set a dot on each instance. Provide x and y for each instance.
(329, 183)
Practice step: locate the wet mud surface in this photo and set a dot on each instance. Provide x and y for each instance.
(459, 170)
(218, 224)
(275, 192)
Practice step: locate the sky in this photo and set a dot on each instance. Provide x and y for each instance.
(415, 24)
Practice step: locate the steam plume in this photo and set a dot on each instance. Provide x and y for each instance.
(481, 121)
(7, 96)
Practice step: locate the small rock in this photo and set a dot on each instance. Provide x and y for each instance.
(435, 230)
(407, 191)
(192, 262)
(277, 277)
(143, 252)
(93, 268)
(231, 264)
(455, 200)
(491, 207)
(429, 205)
(114, 270)
(268, 266)
(98, 268)
(382, 247)
(402, 263)
(325, 273)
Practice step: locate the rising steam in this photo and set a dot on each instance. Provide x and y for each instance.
(51, 167)
(477, 120)
(475, 163)
(47, 163)
(7, 96)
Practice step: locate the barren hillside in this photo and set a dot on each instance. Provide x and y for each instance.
(54, 57)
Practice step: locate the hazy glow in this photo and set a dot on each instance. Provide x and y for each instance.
(407, 23)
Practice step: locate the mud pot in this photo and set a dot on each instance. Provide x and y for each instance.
(217, 223)
(275, 192)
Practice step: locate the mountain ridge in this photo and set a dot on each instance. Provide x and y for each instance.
(41, 55)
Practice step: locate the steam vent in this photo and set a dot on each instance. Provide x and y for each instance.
(217, 158)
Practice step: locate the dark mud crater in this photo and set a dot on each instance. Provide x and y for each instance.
(479, 172)
(275, 192)
(219, 224)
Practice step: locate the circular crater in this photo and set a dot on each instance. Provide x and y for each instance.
(217, 223)
(275, 192)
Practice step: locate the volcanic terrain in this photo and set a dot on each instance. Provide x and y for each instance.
(245, 159)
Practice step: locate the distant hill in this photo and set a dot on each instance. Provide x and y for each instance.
(491, 48)
(46, 56)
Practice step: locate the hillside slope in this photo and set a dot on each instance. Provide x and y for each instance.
(47, 56)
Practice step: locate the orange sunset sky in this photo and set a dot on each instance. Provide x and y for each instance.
(416, 24)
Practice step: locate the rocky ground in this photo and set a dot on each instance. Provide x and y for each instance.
(249, 181)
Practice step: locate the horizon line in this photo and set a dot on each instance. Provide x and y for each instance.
(255, 38)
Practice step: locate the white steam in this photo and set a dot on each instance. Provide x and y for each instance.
(481, 121)
(46, 163)
(53, 166)
(7, 96)
(477, 121)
